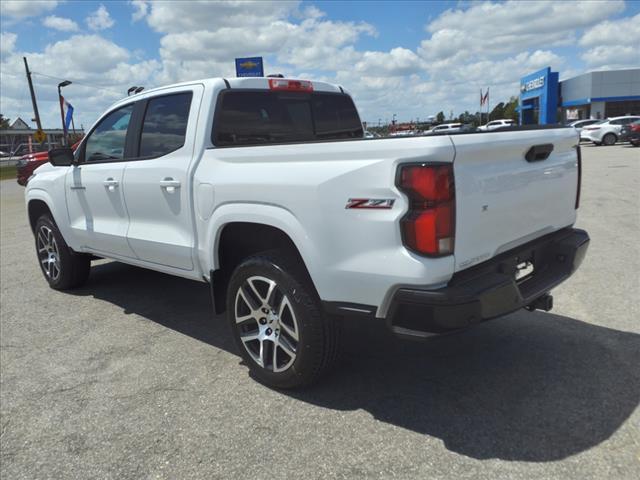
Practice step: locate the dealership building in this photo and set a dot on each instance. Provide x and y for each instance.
(546, 100)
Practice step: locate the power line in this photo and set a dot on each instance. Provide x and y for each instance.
(79, 83)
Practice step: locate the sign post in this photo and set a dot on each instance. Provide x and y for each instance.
(33, 95)
(249, 67)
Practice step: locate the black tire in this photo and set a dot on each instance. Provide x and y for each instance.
(317, 345)
(609, 139)
(63, 268)
(597, 144)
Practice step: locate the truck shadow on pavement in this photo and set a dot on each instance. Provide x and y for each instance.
(531, 387)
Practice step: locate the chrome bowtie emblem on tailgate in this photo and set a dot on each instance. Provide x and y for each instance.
(373, 203)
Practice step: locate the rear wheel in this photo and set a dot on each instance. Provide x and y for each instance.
(277, 322)
(62, 267)
(609, 139)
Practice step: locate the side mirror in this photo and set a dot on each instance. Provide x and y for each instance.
(61, 157)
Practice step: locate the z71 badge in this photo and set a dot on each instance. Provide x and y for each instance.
(375, 203)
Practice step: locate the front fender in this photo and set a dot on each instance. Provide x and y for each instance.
(57, 209)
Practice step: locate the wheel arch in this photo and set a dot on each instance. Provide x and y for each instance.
(238, 239)
(36, 208)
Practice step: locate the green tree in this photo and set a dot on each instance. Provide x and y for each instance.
(440, 117)
(497, 112)
(4, 122)
(509, 110)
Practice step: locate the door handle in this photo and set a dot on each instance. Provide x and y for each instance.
(169, 184)
(538, 153)
(111, 184)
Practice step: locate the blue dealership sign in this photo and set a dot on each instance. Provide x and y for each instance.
(539, 95)
(249, 67)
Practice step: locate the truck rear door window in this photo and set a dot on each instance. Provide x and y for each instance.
(266, 117)
(165, 124)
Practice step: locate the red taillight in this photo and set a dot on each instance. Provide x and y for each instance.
(290, 85)
(429, 225)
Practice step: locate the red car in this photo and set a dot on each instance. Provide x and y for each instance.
(29, 162)
(631, 133)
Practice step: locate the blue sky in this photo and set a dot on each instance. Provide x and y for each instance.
(406, 57)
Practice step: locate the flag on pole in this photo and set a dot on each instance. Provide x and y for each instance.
(68, 113)
(484, 99)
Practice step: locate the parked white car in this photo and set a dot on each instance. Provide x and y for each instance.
(258, 187)
(444, 128)
(606, 131)
(495, 124)
(580, 124)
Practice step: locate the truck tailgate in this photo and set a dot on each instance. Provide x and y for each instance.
(502, 199)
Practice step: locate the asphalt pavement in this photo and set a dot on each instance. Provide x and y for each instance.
(130, 377)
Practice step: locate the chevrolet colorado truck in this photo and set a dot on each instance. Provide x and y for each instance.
(266, 189)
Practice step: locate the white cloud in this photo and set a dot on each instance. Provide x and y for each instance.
(625, 31)
(605, 57)
(100, 19)
(141, 9)
(60, 23)
(96, 84)
(317, 44)
(203, 38)
(613, 43)
(398, 62)
(494, 29)
(7, 42)
(24, 8)
(175, 17)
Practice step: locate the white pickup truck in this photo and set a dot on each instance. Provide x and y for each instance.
(266, 189)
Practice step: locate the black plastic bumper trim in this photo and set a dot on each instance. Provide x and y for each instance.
(346, 308)
(490, 289)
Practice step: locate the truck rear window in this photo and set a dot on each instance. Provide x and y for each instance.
(252, 117)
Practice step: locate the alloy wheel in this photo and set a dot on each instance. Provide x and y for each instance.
(267, 324)
(48, 253)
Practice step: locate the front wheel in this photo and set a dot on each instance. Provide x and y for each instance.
(62, 267)
(277, 322)
(609, 139)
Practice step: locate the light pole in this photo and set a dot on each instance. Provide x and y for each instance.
(64, 127)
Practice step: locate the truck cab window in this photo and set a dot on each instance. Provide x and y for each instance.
(107, 140)
(165, 124)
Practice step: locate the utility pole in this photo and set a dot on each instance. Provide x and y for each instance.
(33, 94)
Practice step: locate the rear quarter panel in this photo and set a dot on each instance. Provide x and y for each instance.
(352, 255)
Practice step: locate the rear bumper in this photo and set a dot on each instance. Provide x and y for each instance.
(490, 289)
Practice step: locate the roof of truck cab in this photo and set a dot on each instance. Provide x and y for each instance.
(236, 83)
